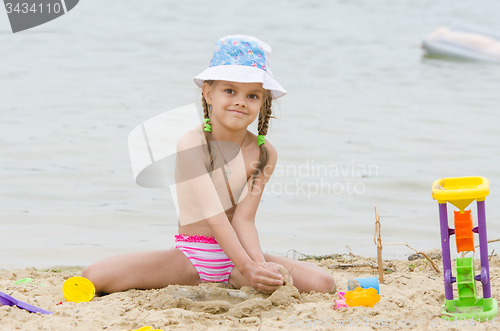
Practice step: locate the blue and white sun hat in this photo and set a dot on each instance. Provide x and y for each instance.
(242, 59)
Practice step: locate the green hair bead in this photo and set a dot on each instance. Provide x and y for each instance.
(261, 139)
(208, 127)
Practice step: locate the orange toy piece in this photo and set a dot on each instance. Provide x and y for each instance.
(464, 236)
(362, 297)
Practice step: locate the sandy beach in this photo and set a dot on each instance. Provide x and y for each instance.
(411, 297)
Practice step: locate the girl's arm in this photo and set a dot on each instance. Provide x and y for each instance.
(244, 216)
(261, 279)
(192, 178)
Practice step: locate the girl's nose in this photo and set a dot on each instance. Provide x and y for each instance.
(239, 102)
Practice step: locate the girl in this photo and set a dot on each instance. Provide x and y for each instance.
(221, 171)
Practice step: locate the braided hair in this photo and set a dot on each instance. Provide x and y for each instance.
(264, 115)
(206, 115)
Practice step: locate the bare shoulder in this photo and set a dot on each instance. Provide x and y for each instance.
(273, 153)
(190, 139)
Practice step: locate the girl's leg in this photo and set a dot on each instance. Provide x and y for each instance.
(306, 276)
(145, 270)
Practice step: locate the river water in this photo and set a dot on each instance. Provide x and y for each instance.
(368, 119)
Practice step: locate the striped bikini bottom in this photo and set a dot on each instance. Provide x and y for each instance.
(207, 257)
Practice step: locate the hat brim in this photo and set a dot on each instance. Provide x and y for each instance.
(241, 74)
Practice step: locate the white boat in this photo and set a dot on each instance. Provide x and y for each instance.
(463, 42)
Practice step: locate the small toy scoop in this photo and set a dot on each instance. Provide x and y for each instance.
(7, 300)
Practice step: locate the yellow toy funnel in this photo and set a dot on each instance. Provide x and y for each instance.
(460, 191)
(461, 204)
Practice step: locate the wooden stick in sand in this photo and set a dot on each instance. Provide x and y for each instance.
(377, 239)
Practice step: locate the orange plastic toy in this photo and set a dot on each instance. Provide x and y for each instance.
(362, 297)
(464, 236)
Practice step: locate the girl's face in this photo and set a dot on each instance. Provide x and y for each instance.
(234, 105)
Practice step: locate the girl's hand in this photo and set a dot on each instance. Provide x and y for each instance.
(271, 266)
(278, 268)
(264, 277)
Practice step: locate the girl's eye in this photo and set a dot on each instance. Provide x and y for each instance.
(229, 91)
(253, 96)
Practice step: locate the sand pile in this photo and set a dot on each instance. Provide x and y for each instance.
(412, 294)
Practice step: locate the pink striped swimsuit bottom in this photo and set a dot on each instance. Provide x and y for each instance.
(207, 257)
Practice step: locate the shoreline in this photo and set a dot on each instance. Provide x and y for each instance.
(413, 297)
(81, 239)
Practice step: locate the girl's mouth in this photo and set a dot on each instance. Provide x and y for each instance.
(237, 112)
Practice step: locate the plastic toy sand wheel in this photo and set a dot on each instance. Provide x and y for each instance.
(461, 192)
(78, 289)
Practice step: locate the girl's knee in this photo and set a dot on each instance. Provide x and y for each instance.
(92, 272)
(327, 284)
(87, 272)
(324, 281)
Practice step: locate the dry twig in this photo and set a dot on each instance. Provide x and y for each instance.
(353, 265)
(370, 264)
(301, 256)
(377, 239)
(489, 242)
(418, 252)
